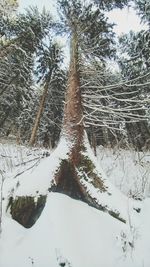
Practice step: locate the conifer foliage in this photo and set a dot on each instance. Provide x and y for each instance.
(50, 74)
(135, 63)
(21, 39)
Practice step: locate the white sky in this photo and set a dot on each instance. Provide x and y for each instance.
(125, 19)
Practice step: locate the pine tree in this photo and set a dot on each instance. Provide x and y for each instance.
(88, 28)
(111, 4)
(15, 81)
(135, 64)
(51, 121)
(8, 7)
(23, 37)
(49, 59)
(143, 9)
(77, 174)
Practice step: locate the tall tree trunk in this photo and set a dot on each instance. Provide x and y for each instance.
(78, 168)
(39, 115)
(73, 127)
(67, 180)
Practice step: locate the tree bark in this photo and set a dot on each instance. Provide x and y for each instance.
(39, 115)
(73, 127)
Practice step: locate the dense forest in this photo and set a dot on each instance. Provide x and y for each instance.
(33, 76)
(74, 137)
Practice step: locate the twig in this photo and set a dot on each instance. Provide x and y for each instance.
(26, 170)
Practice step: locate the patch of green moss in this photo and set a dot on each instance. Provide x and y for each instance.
(26, 210)
(83, 148)
(87, 168)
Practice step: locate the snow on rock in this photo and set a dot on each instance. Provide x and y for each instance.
(70, 231)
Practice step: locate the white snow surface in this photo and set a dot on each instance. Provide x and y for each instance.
(128, 170)
(69, 231)
(37, 180)
(72, 232)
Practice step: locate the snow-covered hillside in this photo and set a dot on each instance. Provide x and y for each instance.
(69, 232)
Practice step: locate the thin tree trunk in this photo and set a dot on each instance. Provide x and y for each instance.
(93, 141)
(1, 199)
(39, 115)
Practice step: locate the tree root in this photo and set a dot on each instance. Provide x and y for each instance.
(69, 180)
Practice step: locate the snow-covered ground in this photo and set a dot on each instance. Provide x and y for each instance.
(69, 232)
(128, 170)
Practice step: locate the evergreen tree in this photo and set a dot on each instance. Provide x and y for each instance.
(23, 37)
(111, 4)
(51, 121)
(103, 124)
(135, 64)
(8, 7)
(77, 174)
(143, 9)
(48, 69)
(90, 33)
(15, 82)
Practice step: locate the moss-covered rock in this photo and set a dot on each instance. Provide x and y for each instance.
(25, 210)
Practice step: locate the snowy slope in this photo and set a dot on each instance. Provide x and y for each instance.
(69, 232)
